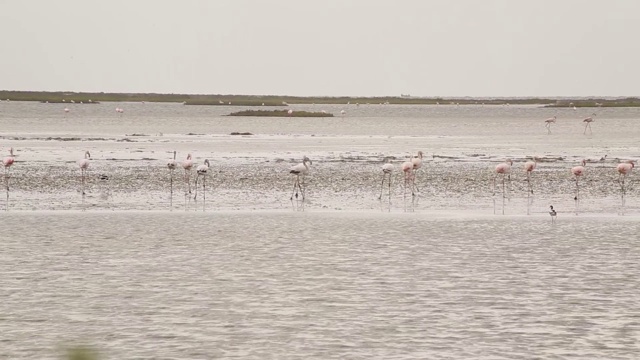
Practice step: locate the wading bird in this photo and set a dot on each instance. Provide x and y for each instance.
(553, 214)
(84, 165)
(171, 165)
(529, 166)
(417, 164)
(602, 160)
(7, 162)
(578, 171)
(301, 169)
(548, 122)
(202, 170)
(503, 169)
(387, 171)
(407, 168)
(587, 123)
(187, 164)
(624, 169)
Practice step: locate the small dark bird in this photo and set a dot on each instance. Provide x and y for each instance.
(553, 214)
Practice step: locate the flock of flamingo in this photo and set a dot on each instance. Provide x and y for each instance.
(587, 123)
(300, 170)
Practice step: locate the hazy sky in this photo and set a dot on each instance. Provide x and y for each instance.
(323, 47)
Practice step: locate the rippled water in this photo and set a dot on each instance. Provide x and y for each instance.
(259, 285)
(341, 275)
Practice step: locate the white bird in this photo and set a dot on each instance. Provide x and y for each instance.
(343, 113)
(301, 169)
(84, 165)
(290, 112)
(387, 170)
(187, 164)
(201, 170)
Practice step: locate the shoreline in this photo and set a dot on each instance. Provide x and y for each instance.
(278, 100)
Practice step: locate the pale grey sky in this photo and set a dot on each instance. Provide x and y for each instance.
(323, 47)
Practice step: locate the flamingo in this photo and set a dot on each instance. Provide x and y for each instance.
(290, 112)
(417, 164)
(300, 169)
(553, 214)
(343, 113)
(624, 169)
(171, 165)
(201, 170)
(548, 122)
(387, 170)
(187, 164)
(503, 169)
(407, 168)
(588, 122)
(66, 110)
(529, 166)
(84, 165)
(7, 162)
(578, 171)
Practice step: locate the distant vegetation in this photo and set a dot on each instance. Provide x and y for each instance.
(276, 100)
(281, 113)
(626, 102)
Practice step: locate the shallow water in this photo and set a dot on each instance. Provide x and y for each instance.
(338, 275)
(319, 285)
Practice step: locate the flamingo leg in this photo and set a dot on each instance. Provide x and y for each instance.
(382, 186)
(82, 171)
(196, 187)
(6, 179)
(414, 182)
(171, 188)
(300, 183)
(503, 194)
(389, 187)
(296, 184)
(204, 191)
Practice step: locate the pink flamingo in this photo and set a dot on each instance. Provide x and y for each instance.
(417, 164)
(548, 122)
(187, 164)
(578, 171)
(407, 168)
(588, 122)
(624, 169)
(7, 162)
(84, 165)
(300, 169)
(529, 166)
(290, 112)
(387, 170)
(171, 165)
(503, 169)
(202, 170)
